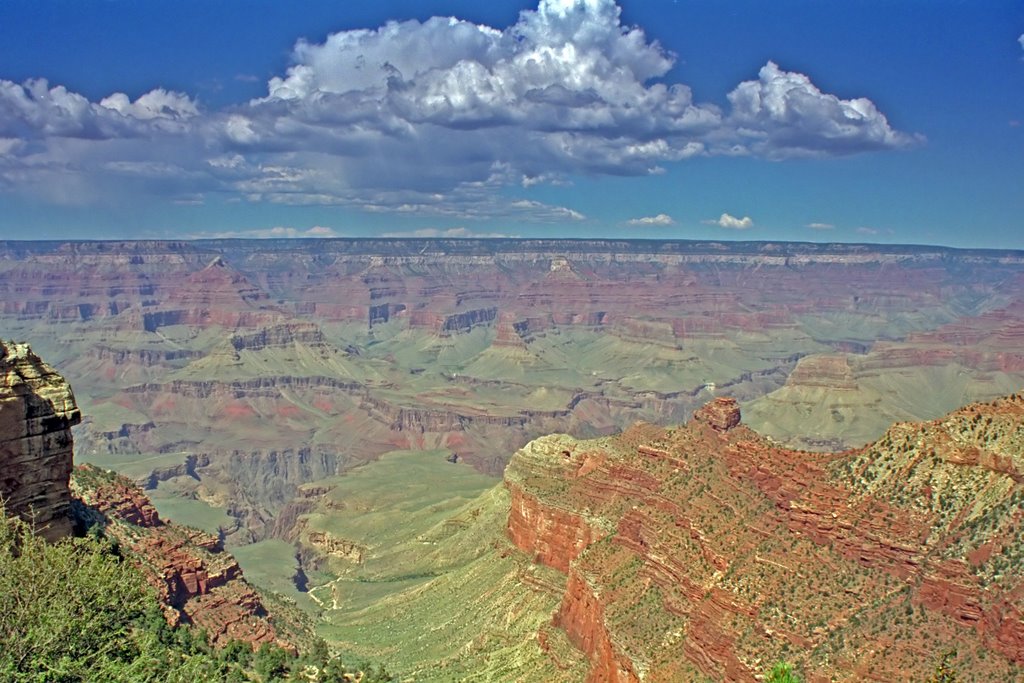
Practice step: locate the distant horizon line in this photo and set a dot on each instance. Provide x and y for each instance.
(815, 245)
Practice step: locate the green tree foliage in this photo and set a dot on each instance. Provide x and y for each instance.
(782, 673)
(318, 654)
(76, 611)
(271, 663)
(65, 609)
(333, 672)
(377, 674)
(238, 652)
(336, 672)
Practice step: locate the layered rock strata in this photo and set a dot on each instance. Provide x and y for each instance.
(706, 551)
(37, 411)
(353, 348)
(197, 581)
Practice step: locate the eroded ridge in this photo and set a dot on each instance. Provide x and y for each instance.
(707, 550)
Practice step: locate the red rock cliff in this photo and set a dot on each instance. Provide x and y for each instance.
(196, 579)
(705, 551)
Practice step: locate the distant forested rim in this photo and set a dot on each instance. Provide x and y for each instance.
(355, 246)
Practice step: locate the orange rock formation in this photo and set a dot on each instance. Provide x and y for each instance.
(706, 551)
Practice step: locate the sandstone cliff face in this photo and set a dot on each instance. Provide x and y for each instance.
(197, 581)
(347, 349)
(706, 551)
(37, 411)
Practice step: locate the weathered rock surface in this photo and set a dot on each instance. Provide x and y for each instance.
(347, 349)
(722, 414)
(37, 411)
(706, 551)
(197, 581)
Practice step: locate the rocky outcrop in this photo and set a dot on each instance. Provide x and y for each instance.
(722, 414)
(118, 498)
(196, 580)
(187, 468)
(705, 551)
(453, 323)
(279, 336)
(37, 411)
(333, 546)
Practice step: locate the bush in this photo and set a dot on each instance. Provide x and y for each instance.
(66, 609)
(77, 611)
(271, 662)
(945, 672)
(782, 673)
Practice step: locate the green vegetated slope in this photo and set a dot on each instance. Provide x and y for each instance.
(441, 594)
(623, 365)
(189, 511)
(271, 564)
(395, 501)
(77, 611)
(83, 609)
(824, 415)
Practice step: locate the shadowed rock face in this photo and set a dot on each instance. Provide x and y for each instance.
(37, 411)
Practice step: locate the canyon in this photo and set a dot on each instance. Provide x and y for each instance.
(339, 414)
(197, 582)
(704, 552)
(329, 353)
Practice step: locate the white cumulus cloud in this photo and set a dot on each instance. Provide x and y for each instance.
(35, 110)
(731, 222)
(156, 104)
(277, 232)
(820, 226)
(660, 219)
(440, 116)
(457, 233)
(783, 114)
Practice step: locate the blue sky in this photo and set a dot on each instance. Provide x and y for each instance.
(848, 120)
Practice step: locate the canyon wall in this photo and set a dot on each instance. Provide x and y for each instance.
(244, 369)
(707, 551)
(196, 580)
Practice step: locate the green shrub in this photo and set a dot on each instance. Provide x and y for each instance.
(77, 611)
(271, 662)
(945, 672)
(782, 673)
